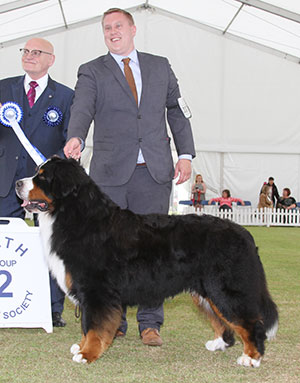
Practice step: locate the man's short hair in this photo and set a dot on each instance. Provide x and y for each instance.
(288, 191)
(118, 10)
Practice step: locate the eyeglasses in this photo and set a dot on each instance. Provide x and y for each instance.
(33, 52)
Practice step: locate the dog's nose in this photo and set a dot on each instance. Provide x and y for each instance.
(19, 183)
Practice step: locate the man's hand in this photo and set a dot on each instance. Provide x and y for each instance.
(72, 148)
(183, 169)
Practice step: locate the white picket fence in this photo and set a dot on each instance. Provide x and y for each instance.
(249, 216)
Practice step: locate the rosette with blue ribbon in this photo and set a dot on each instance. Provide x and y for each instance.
(10, 115)
(10, 111)
(53, 116)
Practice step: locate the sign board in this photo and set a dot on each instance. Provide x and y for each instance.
(24, 277)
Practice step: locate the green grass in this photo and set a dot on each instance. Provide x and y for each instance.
(31, 355)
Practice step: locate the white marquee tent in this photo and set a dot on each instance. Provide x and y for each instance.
(237, 63)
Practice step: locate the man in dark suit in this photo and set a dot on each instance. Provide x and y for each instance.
(127, 93)
(46, 112)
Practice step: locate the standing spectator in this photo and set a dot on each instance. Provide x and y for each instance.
(273, 190)
(41, 98)
(226, 200)
(198, 192)
(127, 94)
(286, 202)
(264, 198)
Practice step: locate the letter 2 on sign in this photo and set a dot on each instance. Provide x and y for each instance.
(5, 285)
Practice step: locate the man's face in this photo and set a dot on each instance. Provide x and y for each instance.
(118, 33)
(284, 193)
(37, 66)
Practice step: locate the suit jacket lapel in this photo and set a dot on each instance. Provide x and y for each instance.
(18, 93)
(113, 66)
(145, 71)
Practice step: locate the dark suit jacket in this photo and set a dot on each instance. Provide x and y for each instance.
(49, 140)
(102, 94)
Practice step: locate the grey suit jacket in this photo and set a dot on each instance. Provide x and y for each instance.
(121, 127)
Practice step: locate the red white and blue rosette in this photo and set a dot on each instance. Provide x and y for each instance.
(53, 116)
(10, 115)
(10, 111)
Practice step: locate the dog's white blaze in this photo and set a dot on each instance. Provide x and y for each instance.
(26, 188)
(216, 344)
(55, 264)
(271, 333)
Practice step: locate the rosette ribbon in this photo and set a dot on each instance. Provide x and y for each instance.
(10, 115)
(53, 116)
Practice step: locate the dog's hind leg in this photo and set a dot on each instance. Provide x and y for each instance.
(223, 335)
(98, 334)
(253, 336)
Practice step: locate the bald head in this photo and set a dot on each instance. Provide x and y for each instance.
(40, 44)
(37, 66)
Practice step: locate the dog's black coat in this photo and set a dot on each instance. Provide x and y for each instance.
(116, 257)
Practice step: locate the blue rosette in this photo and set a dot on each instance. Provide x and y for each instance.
(53, 116)
(10, 111)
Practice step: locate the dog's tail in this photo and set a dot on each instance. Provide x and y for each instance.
(268, 309)
(269, 314)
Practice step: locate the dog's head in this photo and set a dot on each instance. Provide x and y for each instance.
(54, 180)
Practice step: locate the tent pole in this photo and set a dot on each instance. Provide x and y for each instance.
(232, 20)
(63, 14)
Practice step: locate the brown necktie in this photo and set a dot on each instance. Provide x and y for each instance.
(130, 78)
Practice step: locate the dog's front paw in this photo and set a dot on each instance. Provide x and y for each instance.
(75, 349)
(216, 344)
(247, 361)
(78, 358)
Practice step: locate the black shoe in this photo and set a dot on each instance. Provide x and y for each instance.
(57, 320)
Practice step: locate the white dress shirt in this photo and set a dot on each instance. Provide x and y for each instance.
(42, 85)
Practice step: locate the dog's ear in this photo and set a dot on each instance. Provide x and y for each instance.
(65, 181)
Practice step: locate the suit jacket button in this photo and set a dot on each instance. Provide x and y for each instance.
(17, 157)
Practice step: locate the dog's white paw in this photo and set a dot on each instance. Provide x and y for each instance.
(74, 349)
(247, 361)
(78, 358)
(216, 344)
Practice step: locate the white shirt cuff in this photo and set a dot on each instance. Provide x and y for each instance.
(185, 157)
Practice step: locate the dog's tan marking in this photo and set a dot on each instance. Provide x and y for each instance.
(37, 194)
(69, 281)
(216, 323)
(249, 347)
(97, 341)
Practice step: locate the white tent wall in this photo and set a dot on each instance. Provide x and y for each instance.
(244, 100)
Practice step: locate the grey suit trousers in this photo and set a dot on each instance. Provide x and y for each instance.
(142, 195)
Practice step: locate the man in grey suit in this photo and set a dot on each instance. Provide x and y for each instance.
(132, 160)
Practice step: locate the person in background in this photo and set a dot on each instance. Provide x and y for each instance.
(198, 192)
(273, 191)
(265, 197)
(286, 202)
(226, 200)
(128, 94)
(46, 111)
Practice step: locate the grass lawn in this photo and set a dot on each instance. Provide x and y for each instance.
(31, 355)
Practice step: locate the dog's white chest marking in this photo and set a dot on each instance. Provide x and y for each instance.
(55, 264)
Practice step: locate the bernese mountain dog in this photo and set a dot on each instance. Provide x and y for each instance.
(104, 257)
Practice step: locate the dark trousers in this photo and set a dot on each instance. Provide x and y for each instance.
(10, 206)
(142, 195)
